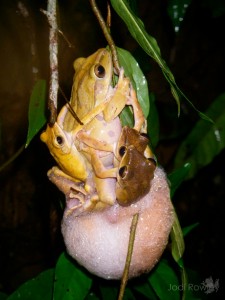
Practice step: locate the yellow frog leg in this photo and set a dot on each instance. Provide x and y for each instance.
(124, 95)
(106, 191)
(118, 101)
(98, 167)
(65, 182)
(90, 116)
(139, 119)
(85, 138)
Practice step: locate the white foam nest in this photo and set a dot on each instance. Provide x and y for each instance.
(99, 240)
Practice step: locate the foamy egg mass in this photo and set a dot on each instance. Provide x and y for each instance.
(99, 240)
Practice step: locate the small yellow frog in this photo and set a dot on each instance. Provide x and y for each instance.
(75, 175)
(74, 167)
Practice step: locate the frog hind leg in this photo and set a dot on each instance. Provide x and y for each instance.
(64, 182)
(106, 191)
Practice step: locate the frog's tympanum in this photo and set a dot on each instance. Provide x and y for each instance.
(108, 174)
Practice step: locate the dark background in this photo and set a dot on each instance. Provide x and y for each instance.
(30, 213)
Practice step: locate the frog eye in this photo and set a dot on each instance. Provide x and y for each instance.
(152, 160)
(122, 151)
(144, 135)
(59, 140)
(99, 71)
(123, 172)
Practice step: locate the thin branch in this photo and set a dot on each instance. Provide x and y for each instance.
(12, 158)
(107, 34)
(108, 21)
(129, 256)
(70, 107)
(53, 57)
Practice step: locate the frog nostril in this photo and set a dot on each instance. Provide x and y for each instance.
(99, 71)
(123, 171)
(122, 151)
(59, 140)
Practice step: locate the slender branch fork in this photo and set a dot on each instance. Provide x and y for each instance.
(51, 14)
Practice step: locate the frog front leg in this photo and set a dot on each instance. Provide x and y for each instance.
(139, 119)
(85, 138)
(124, 94)
(104, 178)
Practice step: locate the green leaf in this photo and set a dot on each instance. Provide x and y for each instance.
(36, 115)
(165, 282)
(108, 290)
(126, 117)
(3, 296)
(146, 41)
(145, 289)
(138, 80)
(177, 239)
(177, 177)
(176, 11)
(205, 141)
(38, 288)
(153, 122)
(91, 296)
(184, 280)
(189, 228)
(128, 295)
(70, 282)
(150, 46)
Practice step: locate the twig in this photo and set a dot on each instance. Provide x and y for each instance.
(70, 107)
(129, 256)
(12, 158)
(106, 33)
(108, 21)
(53, 57)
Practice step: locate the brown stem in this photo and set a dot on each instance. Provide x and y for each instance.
(53, 57)
(108, 21)
(129, 256)
(107, 35)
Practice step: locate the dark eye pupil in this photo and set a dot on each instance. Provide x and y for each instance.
(122, 151)
(144, 135)
(123, 171)
(59, 140)
(152, 160)
(99, 71)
